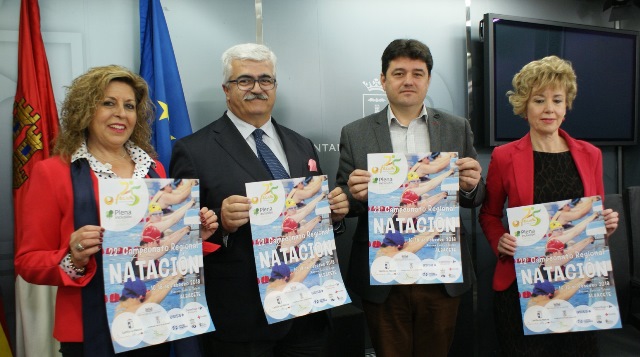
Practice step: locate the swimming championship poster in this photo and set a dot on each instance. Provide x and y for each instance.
(414, 219)
(294, 247)
(152, 261)
(563, 267)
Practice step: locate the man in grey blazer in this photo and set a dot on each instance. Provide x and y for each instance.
(406, 320)
(225, 155)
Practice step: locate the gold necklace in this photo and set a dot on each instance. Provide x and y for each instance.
(106, 163)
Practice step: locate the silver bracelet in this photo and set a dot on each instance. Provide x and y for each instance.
(67, 263)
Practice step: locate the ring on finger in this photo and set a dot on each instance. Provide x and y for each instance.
(79, 247)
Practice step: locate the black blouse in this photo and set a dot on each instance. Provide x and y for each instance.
(555, 177)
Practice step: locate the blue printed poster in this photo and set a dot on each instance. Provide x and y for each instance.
(414, 219)
(152, 261)
(563, 267)
(294, 247)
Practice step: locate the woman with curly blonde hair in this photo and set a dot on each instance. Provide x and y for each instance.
(546, 165)
(105, 134)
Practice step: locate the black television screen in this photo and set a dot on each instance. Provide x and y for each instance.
(605, 61)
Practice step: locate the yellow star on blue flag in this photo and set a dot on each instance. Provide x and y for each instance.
(159, 68)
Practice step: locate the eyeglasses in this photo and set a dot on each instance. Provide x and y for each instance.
(247, 83)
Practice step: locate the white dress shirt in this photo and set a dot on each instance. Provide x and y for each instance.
(270, 138)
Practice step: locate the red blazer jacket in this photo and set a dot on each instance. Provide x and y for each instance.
(510, 176)
(45, 225)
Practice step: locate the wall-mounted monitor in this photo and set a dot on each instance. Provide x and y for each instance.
(605, 60)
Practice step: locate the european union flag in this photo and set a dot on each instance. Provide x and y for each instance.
(158, 67)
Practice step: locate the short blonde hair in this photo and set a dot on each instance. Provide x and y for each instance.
(551, 71)
(80, 104)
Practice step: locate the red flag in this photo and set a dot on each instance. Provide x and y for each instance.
(35, 119)
(35, 125)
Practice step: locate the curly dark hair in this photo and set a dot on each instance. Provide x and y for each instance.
(80, 103)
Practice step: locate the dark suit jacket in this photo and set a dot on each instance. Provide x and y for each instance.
(220, 157)
(371, 135)
(510, 175)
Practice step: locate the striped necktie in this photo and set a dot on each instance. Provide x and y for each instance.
(268, 158)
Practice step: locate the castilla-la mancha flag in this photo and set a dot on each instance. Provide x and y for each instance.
(35, 125)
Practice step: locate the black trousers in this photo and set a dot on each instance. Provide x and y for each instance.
(76, 349)
(307, 338)
(513, 342)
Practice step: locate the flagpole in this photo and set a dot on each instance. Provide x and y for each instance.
(259, 38)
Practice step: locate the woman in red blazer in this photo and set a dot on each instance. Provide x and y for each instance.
(105, 134)
(546, 165)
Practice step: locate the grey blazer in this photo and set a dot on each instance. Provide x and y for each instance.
(371, 135)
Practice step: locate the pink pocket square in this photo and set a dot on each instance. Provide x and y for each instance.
(312, 165)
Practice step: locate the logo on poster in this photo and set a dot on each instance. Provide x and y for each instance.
(126, 196)
(268, 195)
(389, 167)
(529, 218)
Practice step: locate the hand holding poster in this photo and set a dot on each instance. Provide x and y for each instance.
(294, 247)
(563, 267)
(414, 220)
(152, 262)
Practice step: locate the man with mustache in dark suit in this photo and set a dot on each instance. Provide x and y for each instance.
(225, 155)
